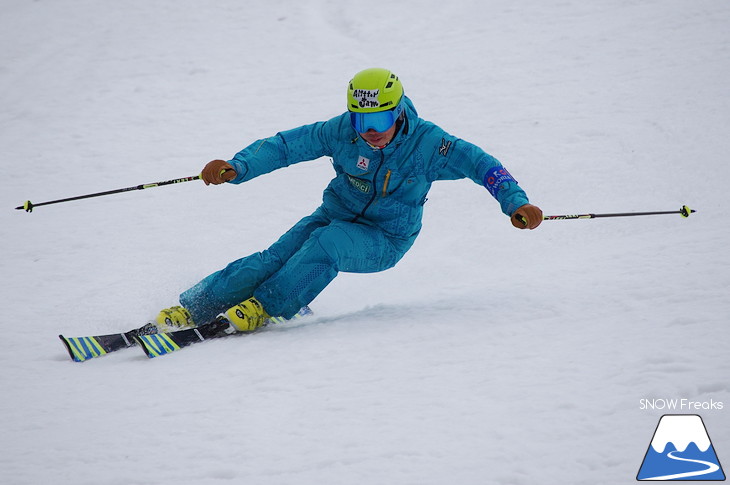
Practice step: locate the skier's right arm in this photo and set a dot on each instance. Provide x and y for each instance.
(307, 142)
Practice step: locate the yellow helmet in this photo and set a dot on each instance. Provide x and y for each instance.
(373, 91)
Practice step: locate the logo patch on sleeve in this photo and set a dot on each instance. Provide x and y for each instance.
(495, 179)
(445, 146)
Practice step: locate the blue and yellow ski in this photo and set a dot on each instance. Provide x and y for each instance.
(153, 343)
(164, 343)
(84, 348)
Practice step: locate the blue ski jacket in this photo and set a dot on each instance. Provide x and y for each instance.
(384, 187)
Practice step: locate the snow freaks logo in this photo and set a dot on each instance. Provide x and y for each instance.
(680, 450)
(680, 404)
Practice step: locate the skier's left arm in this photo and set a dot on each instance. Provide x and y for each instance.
(461, 159)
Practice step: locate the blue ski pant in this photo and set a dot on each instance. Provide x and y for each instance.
(295, 269)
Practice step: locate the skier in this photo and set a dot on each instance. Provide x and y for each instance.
(385, 158)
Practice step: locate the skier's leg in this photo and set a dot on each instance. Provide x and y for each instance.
(339, 246)
(237, 281)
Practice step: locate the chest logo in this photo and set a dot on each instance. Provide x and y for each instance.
(363, 186)
(363, 163)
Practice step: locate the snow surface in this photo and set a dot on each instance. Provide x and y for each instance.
(487, 356)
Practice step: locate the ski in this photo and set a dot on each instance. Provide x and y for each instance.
(163, 343)
(84, 348)
(155, 345)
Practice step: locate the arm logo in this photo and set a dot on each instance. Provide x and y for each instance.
(680, 450)
(445, 146)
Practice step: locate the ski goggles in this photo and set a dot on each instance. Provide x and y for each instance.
(379, 121)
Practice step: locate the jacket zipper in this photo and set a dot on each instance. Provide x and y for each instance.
(384, 193)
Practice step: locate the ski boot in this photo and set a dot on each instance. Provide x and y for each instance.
(247, 316)
(173, 318)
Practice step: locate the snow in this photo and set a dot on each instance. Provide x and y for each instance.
(487, 356)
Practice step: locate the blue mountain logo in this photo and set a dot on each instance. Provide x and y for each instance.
(681, 450)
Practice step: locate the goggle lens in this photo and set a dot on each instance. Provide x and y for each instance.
(379, 121)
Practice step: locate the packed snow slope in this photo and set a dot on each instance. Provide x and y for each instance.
(487, 356)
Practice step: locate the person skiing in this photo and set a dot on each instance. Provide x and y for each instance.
(385, 159)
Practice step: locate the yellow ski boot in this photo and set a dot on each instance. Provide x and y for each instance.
(246, 316)
(174, 318)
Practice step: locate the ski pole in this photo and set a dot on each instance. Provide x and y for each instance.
(28, 205)
(684, 212)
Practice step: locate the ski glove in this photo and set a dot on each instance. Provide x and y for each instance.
(527, 216)
(217, 172)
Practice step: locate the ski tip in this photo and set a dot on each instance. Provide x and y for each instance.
(82, 348)
(68, 348)
(158, 344)
(140, 343)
